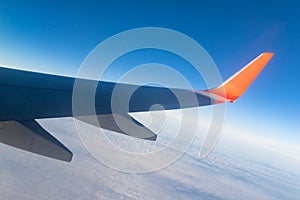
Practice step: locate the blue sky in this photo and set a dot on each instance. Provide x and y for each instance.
(56, 37)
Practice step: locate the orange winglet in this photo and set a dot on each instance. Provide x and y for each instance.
(236, 85)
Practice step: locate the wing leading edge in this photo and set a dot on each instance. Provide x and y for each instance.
(27, 96)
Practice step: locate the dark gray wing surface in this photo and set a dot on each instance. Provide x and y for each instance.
(26, 96)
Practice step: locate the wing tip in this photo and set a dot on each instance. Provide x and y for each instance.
(237, 84)
(269, 54)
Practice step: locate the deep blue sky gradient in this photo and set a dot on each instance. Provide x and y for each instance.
(56, 37)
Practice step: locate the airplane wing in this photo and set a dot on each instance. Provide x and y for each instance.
(27, 96)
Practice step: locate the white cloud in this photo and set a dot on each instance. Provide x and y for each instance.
(224, 174)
